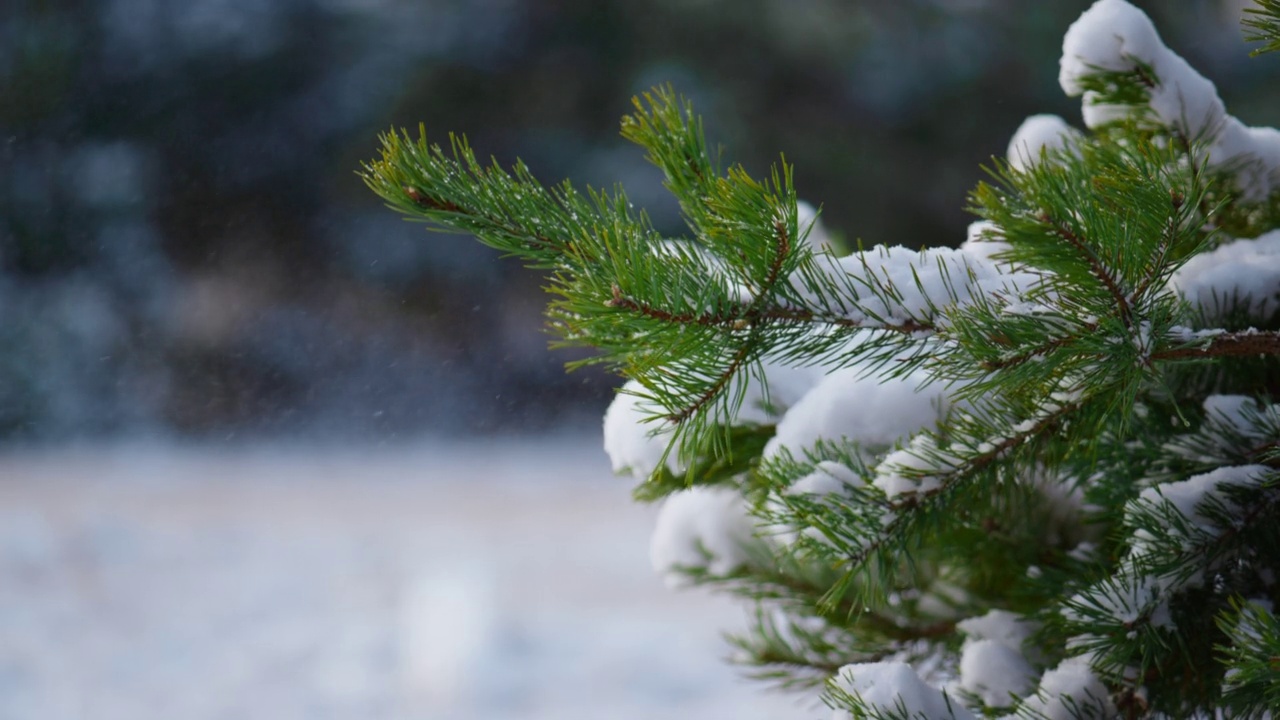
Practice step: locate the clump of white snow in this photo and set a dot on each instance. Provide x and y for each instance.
(1234, 419)
(983, 240)
(1241, 272)
(1256, 149)
(917, 468)
(1037, 133)
(827, 479)
(995, 672)
(993, 665)
(636, 435)
(895, 286)
(1134, 592)
(1070, 691)
(635, 446)
(1190, 499)
(701, 528)
(848, 404)
(1114, 35)
(1231, 411)
(1000, 625)
(812, 230)
(888, 686)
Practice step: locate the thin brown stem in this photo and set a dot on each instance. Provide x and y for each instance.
(739, 358)
(1238, 344)
(743, 317)
(536, 240)
(949, 479)
(1035, 352)
(1095, 267)
(430, 203)
(1170, 236)
(782, 247)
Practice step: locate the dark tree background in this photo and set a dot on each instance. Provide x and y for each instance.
(185, 249)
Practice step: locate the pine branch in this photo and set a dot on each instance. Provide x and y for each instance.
(1262, 24)
(1129, 618)
(1246, 343)
(1037, 352)
(1067, 475)
(1096, 267)
(744, 316)
(1252, 652)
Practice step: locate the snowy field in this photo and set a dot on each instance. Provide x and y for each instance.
(453, 581)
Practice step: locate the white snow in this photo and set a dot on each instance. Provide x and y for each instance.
(1188, 497)
(993, 665)
(995, 672)
(1037, 133)
(459, 580)
(1231, 411)
(1240, 272)
(1114, 35)
(634, 445)
(636, 442)
(702, 527)
(848, 405)
(914, 469)
(1070, 691)
(983, 240)
(1000, 625)
(811, 228)
(1135, 592)
(888, 685)
(1257, 148)
(1181, 333)
(827, 478)
(920, 281)
(782, 389)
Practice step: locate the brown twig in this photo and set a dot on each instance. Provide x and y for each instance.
(782, 246)
(739, 358)
(1249, 342)
(948, 480)
(748, 316)
(1037, 351)
(426, 201)
(1095, 267)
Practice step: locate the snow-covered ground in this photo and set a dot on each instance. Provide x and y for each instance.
(451, 581)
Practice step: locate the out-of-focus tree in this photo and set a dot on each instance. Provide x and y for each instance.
(183, 248)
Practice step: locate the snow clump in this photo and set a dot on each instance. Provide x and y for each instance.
(634, 446)
(992, 664)
(704, 528)
(1070, 691)
(851, 405)
(888, 686)
(983, 241)
(1037, 133)
(636, 434)
(1243, 273)
(1114, 35)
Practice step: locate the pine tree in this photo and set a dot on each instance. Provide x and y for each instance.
(1036, 476)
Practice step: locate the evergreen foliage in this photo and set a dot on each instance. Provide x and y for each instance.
(1262, 24)
(1035, 476)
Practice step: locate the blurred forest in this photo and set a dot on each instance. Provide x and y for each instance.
(186, 251)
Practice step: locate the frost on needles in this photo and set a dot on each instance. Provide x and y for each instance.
(1037, 476)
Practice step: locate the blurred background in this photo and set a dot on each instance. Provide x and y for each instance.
(188, 260)
(186, 251)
